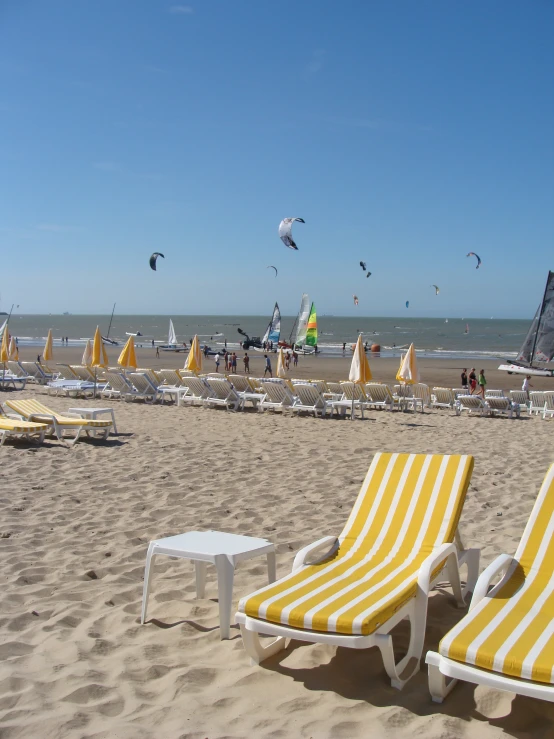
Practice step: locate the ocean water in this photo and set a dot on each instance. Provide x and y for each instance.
(431, 336)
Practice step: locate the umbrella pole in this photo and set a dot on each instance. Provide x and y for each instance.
(94, 393)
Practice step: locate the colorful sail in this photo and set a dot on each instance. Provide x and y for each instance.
(172, 338)
(311, 333)
(303, 315)
(273, 331)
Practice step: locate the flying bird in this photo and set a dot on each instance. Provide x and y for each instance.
(154, 258)
(473, 254)
(285, 231)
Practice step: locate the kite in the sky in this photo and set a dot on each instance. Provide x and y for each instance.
(368, 274)
(473, 254)
(285, 231)
(363, 266)
(355, 299)
(153, 259)
(270, 266)
(407, 303)
(437, 291)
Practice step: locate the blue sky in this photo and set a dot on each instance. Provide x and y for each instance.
(405, 134)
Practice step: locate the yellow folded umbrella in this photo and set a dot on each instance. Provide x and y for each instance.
(194, 359)
(127, 358)
(4, 347)
(408, 372)
(48, 351)
(360, 371)
(99, 356)
(87, 355)
(281, 370)
(13, 352)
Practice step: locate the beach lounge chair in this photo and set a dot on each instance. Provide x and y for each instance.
(8, 379)
(502, 406)
(66, 373)
(310, 399)
(548, 411)
(154, 378)
(278, 396)
(520, 398)
(84, 373)
(118, 386)
(36, 373)
(352, 590)
(357, 396)
(246, 389)
(443, 397)
(380, 396)
(169, 378)
(537, 402)
(17, 370)
(505, 641)
(19, 429)
(473, 404)
(194, 390)
(418, 398)
(72, 388)
(494, 394)
(334, 390)
(222, 392)
(33, 410)
(143, 388)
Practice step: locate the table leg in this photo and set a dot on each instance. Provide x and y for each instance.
(225, 576)
(147, 577)
(200, 569)
(114, 426)
(271, 569)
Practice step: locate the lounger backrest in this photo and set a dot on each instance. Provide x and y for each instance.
(256, 383)
(170, 377)
(537, 399)
(187, 373)
(82, 372)
(118, 382)
(549, 400)
(403, 391)
(353, 391)
(471, 401)
(65, 372)
(421, 391)
(223, 389)
(519, 396)
(16, 369)
(499, 404)
(335, 388)
(30, 407)
(536, 549)
(241, 383)
(408, 502)
(33, 369)
(196, 386)
(444, 395)
(494, 393)
(152, 376)
(309, 395)
(278, 392)
(379, 393)
(142, 383)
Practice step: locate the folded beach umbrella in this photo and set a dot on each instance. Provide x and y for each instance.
(13, 351)
(281, 371)
(48, 351)
(127, 358)
(99, 356)
(360, 371)
(4, 347)
(194, 359)
(87, 355)
(408, 372)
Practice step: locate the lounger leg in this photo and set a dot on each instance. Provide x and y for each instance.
(439, 687)
(271, 569)
(147, 577)
(256, 650)
(454, 576)
(3, 437)
(471, 558)
(200, 570)
(400, 672)
(225, 576)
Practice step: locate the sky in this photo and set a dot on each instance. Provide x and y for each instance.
(406, 134)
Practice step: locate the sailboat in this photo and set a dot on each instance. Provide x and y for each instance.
(298, 338)
(467, 329)
(172, 345)
(273, 330)
(539, 342)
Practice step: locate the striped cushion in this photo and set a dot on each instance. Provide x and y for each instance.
(511, 631)
(22, 427)
(409, 504)
(27, 408)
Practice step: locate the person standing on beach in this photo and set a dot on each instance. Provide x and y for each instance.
(295, 359)
(267, 366)
(472, 380)
(464, 378)
(38, 359)
(526, 385)
(482, 383)
(157, 351)
(234, 363)
(226, 360)
(216, 358)
(246, 360)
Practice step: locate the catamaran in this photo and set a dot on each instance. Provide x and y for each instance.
(273, 330)
(304, 329)
(172, 345)
(539, 342)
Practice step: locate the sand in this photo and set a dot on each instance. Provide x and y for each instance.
(75, 525)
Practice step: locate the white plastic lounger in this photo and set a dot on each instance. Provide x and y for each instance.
(380, 396)
(169, 378)
(356, 395)
(278, 396)
(19, 429)
(537, 402)
(506, 639)
(7, 379)
(521, 398)
(17, 370)
(246, 390)
(83, 373)
(494, 394)
(548, 411)
(118, 386)
(66, 373)
(73, 388)
(194, 390)
(473, 404)
(222, 392)
(310, 400)
(34, 370)
(334, 390)
(352, 590)
(143, 388)
(502, 406)
(443, 397)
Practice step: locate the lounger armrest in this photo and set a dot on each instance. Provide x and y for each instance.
(500, 564)
(431, 563)
(328, 545)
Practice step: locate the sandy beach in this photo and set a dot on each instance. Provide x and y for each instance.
(76, 525)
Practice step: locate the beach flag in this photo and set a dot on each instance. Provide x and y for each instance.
(99, 356)
(360, 371)
(13, 351)
(281, 370)
(408, 372)
(194, 359)
(4, 347)
(127, 358)
(48, 351)
(87, 355)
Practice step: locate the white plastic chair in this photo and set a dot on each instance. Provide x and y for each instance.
(443, 397)
(472, 404)
(537, 402)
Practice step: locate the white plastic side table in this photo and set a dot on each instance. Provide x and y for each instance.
(92, 413)
(222, 550)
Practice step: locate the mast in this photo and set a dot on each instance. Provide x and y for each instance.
(539, 322)
(111, 319)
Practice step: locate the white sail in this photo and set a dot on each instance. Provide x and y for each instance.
(303, 315)
(273, 331)
(172, 338)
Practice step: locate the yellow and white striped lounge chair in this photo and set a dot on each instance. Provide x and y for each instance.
(33, 410)
(10, 428)
(353, 590)
(506, 641)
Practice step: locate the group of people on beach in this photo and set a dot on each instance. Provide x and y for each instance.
(472, 381)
